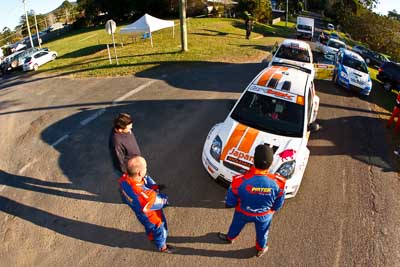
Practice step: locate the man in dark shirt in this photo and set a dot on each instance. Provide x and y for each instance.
(122, 143)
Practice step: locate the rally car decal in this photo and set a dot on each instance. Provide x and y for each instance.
(239, 144)
(267, 75)
(277, 94)
(287, 154)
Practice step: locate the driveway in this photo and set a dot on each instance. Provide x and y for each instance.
(59, 203)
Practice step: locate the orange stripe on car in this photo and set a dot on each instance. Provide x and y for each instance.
(265, 77)
(272, 71)
(234, 139)
(248, 140)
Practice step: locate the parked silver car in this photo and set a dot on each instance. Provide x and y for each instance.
(39, 58)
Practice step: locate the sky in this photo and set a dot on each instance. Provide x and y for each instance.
(11, 10)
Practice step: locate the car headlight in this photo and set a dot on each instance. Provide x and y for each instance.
(287, 169)
(216, 147)
(344, 75)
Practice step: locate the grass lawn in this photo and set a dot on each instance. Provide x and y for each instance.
(84, 53)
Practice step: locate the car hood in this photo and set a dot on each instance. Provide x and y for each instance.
(356, 75)
(328, 49)
(240, 141)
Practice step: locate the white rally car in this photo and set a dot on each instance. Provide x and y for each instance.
(279, 108)
(294, 52)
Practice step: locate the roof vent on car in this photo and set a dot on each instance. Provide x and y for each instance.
(272, 83)
(286, 85)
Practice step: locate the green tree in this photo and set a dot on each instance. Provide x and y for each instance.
(393, 14)
(263, 11)
(259, 9)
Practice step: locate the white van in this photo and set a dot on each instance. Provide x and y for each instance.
(56, 26)
(305, 28)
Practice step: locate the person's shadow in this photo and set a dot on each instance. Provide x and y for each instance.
(112, 237)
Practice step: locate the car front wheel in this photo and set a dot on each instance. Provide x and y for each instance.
(14, 64)
(35, 67)
(53, 57)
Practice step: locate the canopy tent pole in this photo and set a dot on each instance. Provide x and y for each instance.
(151, 37)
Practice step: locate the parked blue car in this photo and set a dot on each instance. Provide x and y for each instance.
(351, 72)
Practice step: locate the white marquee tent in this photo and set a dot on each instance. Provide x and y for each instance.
(148, 24)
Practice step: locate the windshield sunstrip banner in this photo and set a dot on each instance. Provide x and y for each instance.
(274, 93)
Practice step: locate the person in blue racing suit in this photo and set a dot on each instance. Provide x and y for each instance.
(255, 195)
(141, 193)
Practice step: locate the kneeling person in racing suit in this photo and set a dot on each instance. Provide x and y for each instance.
(255, 195)
(142, 195)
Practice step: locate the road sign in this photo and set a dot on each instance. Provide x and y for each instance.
(111, 26)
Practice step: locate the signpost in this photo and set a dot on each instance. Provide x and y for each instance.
(111, 26)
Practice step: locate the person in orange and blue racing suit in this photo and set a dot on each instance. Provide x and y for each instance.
(395, 113)
(142, 195)
(255, 195)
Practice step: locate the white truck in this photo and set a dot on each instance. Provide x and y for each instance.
(305, 28)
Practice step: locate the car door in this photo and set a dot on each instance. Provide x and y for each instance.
(337, 61)
(37, 58)
(42, 58)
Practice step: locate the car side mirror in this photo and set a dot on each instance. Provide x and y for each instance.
(275, 48)
(313, 127)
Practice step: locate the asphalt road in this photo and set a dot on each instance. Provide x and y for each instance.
(59, 204)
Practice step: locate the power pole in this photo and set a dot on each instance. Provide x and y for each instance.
(66, 16)
(37, 33)
(182, 11)
(27, 24)
(287, 11)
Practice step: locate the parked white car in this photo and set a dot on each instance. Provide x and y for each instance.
(332, 47)
(37, 59)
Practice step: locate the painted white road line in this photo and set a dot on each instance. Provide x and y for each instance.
(93, 35)
(130, 93)
(102, 110)
(65, 136)
(93, 117)
(22, 170)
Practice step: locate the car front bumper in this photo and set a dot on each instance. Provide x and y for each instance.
(359, 88)
(223, 174)
(27, 67)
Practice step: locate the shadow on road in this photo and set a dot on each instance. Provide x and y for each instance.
(359, 137)
(112, 237)
(172, 149)
(190, 75)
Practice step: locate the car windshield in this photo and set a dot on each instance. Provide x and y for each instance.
(270, 114)
(293, 53)
(304, 27)
(335, 44)
(27, 59)
(355, 64)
